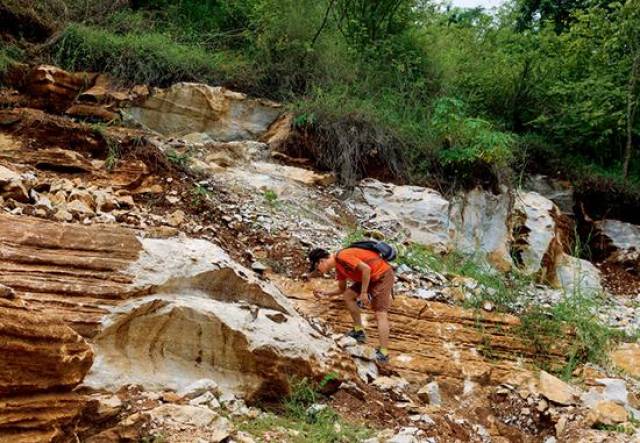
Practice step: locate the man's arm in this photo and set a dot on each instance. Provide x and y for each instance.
(365, 271)
(342, 286)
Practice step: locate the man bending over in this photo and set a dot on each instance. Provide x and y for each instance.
(372, 279)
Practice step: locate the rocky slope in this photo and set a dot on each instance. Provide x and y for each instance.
(157, 261)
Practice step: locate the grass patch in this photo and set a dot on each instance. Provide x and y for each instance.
(297, 426)
(271, 197)
(8, 56)
(574, 320)
(151, 58)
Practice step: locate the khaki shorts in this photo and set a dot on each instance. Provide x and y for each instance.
(380, 291)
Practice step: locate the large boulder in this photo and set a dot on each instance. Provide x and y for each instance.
(423, 212)
(163, 313)
(618, 242)
(499, 228)
(224, 115)
(576, 276)
(481, 226)
(534, 229)
(42, 361)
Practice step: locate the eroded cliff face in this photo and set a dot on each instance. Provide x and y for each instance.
(42, 361)
(162, 313)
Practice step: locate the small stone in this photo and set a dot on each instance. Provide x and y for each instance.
(108, 407)
(607, 413)
(125, 201)
(396, 384)
(243, 437)
(200, 387)
(7, 292)
(84, 196)
(63, 215)
(206, 399)
(258, 267)
(554, 389)
(314, 409)
(430, 393)
(542, 405)
(80, 208)
(170, 397)
(422, 418)
(176, 218)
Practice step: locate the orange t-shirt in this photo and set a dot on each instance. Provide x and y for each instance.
(348, 259)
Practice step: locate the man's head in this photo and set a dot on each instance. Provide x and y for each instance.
(319, 259)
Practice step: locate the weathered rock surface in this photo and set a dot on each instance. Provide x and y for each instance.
(607, 413)
(11, 185)
(554, 389)
(423, 212)
(619, 242)
(535, 228)
(481, 222)
(224, 115)
(496, 228)
(558, 191)
(436, 339)
(162, 313)
(627, 358)
(78, 94)
(576, 276)
(42, 360)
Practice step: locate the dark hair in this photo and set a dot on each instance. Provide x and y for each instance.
(315, 256)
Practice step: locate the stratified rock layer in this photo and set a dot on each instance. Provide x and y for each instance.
(433, 339)
(224, 115)
(162, 313)
(42, 360)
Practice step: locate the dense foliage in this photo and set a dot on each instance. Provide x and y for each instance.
(548, 85)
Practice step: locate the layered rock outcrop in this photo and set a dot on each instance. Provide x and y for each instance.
(162, 313)
(78, 94)
(42, 361)
(457, 346)
(222, 114)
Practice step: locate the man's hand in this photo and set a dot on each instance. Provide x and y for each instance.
(318, 293)
(364, 299)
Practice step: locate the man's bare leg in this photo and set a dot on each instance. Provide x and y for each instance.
(383, 329)
(350, 300)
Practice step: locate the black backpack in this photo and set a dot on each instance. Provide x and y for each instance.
(385, 250)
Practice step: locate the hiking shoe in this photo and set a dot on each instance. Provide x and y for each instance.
(381, 358)
(360, 336)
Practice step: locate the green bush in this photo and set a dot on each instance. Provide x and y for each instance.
(468, 141)
(144, 57)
